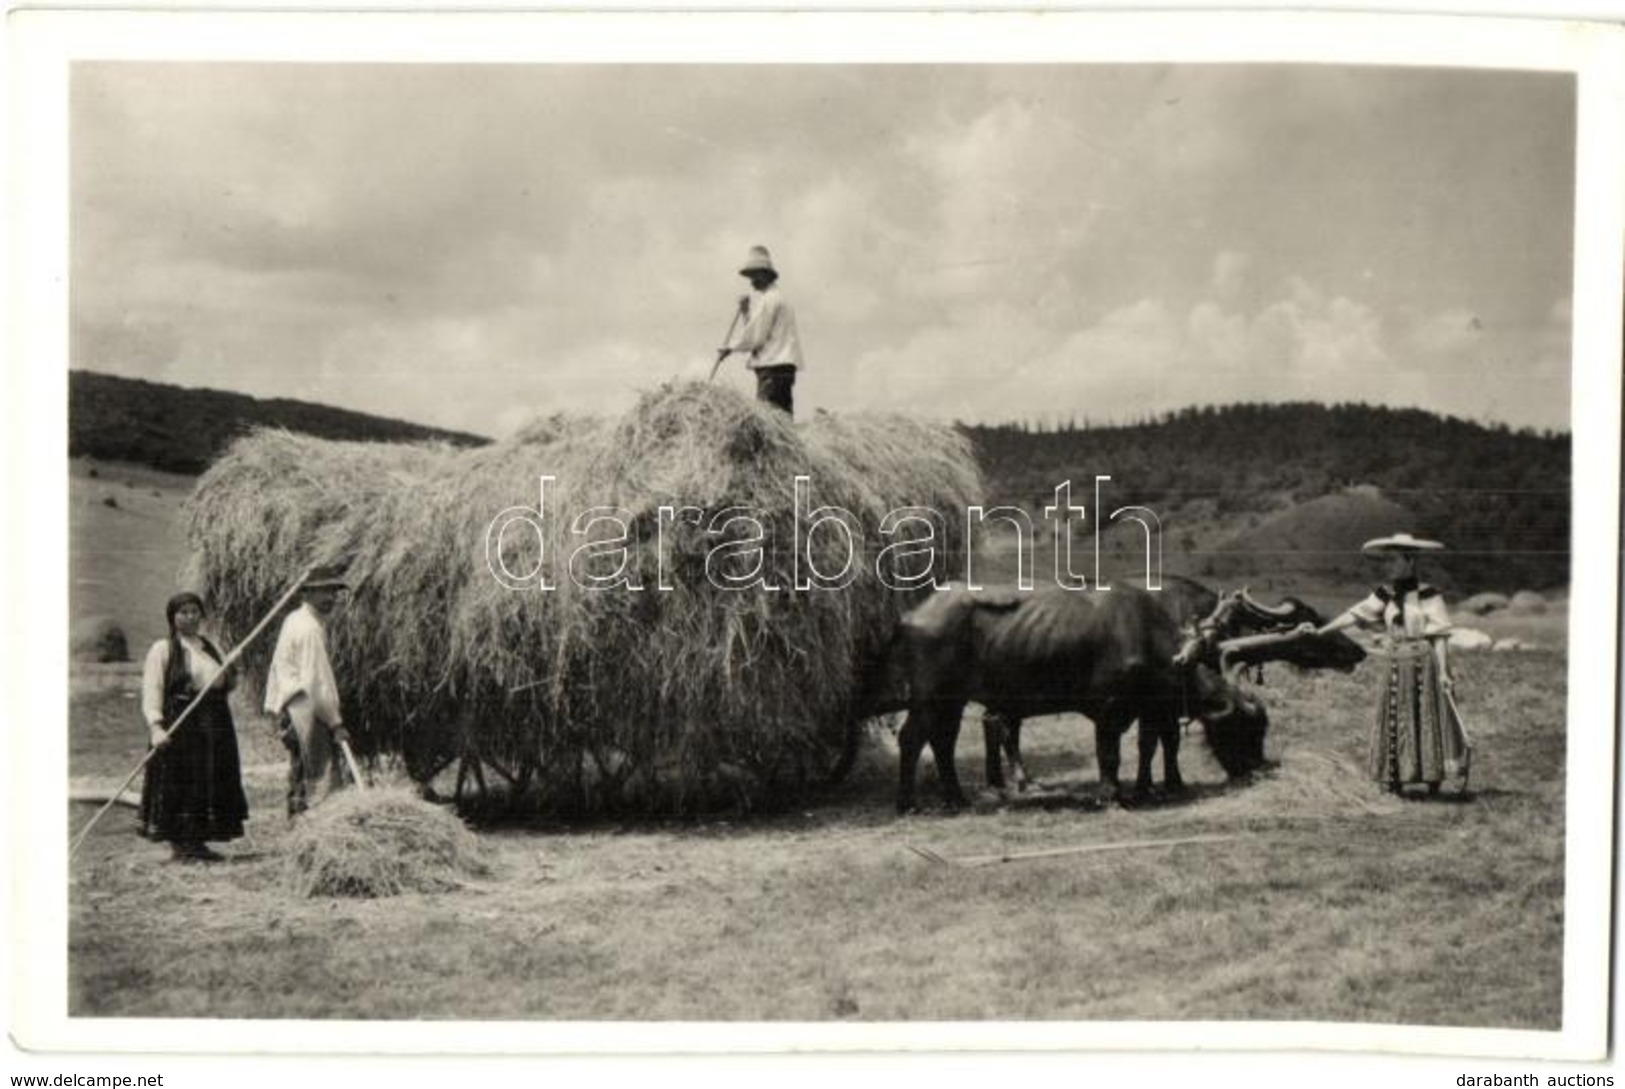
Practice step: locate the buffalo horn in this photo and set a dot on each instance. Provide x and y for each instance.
(1231, 662)
(1282, 611)
(1220, 611)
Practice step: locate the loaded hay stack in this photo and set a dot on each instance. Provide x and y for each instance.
(277, 502)
(686, 693)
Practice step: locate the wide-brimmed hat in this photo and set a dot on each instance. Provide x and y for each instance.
(758, 261)
(328, 576)
(1400, 542)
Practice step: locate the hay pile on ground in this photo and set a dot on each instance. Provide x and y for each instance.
(680, 695)
(1309, 783)
(380, 842)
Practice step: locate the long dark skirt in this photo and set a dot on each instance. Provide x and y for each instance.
(193, 792)
(1416, 736)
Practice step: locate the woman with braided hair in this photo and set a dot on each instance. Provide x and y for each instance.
(1416, 733)
(193, 792)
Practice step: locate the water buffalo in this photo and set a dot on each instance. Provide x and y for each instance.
(1109, 655)
(1216, 630)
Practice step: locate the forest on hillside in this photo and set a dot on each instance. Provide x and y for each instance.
(1500, 496)
(182, 430)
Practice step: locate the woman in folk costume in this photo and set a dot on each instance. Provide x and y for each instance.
(193, 792)
(1416, 733)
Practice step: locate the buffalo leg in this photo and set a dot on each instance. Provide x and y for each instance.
(1166, 728)
(910, 742)
(944, 738)
(1149, 739)
(1257, 761)
(994, 740)
(1001, 737)
(1012, 750)
(1108, 732)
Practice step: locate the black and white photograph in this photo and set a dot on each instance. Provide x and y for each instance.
(752, 533)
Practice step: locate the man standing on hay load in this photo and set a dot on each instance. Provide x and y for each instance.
(301, 690)
(769, 335)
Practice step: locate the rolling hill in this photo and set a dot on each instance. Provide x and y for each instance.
(1303, 484)
(181, 430)
(136, 448)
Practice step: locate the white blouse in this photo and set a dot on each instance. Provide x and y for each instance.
(1425, 613)
(199, 666)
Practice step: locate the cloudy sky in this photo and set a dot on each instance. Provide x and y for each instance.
(470, 245)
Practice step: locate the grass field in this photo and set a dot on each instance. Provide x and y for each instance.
(125, 545)
(1320, 899)
(1326, 902)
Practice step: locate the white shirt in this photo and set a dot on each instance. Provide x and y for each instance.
(770, 334)
(300, 666)
(199, 666)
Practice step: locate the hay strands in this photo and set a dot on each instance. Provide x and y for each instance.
(698, 694)
(972, 861)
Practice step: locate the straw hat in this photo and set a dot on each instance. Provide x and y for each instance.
(1401, 542)
(758, 261)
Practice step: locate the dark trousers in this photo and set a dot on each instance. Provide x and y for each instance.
(298, 793)
(314, 762)
(775, 385)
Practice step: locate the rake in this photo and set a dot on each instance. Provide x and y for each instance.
(972, 861)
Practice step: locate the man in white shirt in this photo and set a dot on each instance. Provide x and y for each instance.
(301, 690)
(769, 335)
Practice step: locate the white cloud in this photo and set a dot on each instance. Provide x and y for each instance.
(1230, 271)
(997, 243)
(1345, 336)
(1225, 339)
(1016, 197)
(1449, 334)
(1146, 358)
